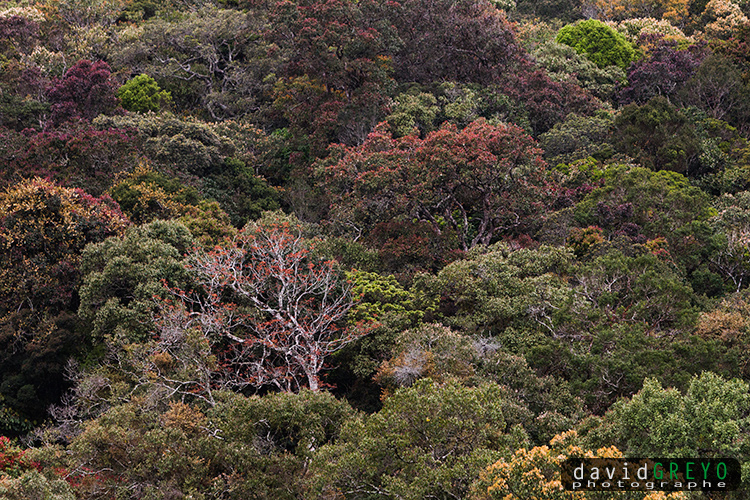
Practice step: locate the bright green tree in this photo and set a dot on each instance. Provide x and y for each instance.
(710, 419)
(141, 94)
(600, 43)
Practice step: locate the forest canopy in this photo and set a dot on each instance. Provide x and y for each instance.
(362, 249)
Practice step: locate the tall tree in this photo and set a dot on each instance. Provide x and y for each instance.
(269, 310)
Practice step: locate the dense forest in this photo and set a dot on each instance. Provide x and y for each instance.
(370, 249)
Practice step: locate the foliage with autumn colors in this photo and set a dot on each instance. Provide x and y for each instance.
(479, 183)
(360, 250)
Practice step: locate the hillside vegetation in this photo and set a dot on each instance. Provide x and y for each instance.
(370, 249)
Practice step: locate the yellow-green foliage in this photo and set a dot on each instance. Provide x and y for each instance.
(384, 294)
(141, 94)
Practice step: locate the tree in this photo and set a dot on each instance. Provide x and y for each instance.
(211, 59)
(338, 75)
(430, 440)
(536, 473)
(495, 288)
(659, 136)
(480, 182)
(75, 155)
(710, 419)
(146, 195)
(673, 10)
(662, 72)
(468, 41)
(544, 404)
(546, 101)
(85, 92)
(81, 13)
(640, 288)
(564, 63)
(18, 34)
(284, 312)
(219, 160)
(578, 138)
(722, 18)
(567, 10)
(718, 88)
(123, 275)
(728, 322)
(733, 223)
(600, 43)
(243, 447)
(141, 94)
(660, 202)
(643, 32)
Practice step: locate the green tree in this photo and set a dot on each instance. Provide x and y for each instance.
(141, 94)
(659, 136)
(600, 43)
(434, 351)
(640, 289)
(732, 224)
(577, 138)
(145, 195)
(256, 447)
(718, 87)
(498, 291)
(122, 275)
(643, 205)
(220, 161)
(34, 484)
(710, 419)
(429, 440)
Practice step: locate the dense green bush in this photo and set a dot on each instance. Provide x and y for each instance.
(141, 94)
(600, 43)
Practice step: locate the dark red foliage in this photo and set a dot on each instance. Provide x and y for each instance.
(662, 72)
(477, 184)
(338, 74)
(406, 248)
(85, 92)
(464, 41)
(74, 155)
(23, 81)
(17, 34)
(546, 101)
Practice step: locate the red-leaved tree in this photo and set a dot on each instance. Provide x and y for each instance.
(85, 92)
(481, 183)
(267, 310)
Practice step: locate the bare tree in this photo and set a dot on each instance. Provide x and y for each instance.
(268, 310)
